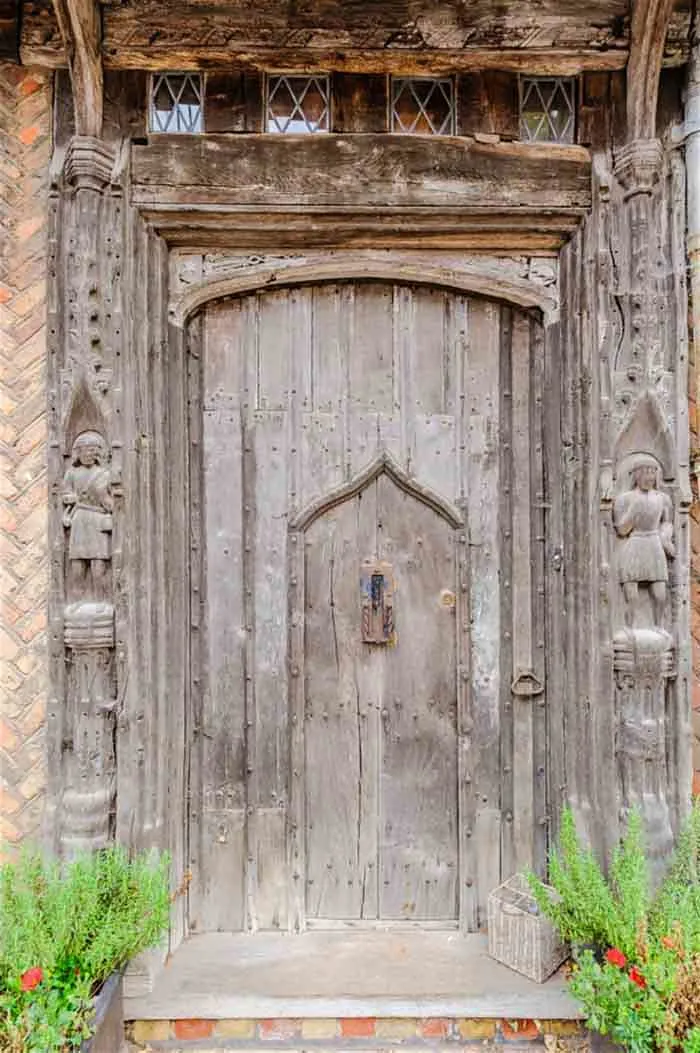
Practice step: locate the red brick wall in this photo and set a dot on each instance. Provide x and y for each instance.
(25, 145)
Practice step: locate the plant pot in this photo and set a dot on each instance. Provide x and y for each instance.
(108, 1034)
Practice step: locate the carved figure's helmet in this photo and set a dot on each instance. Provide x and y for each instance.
(91, 439)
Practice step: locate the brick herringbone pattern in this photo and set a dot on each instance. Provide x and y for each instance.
(25, 102)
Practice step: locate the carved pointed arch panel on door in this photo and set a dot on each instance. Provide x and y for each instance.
(336, 779)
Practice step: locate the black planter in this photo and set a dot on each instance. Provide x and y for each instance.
(108, 1036)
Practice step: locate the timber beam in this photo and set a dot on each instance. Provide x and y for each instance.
(80, 24)
(564, 38)
(650, 21)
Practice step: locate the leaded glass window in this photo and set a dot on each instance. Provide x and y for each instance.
(176, 103)
(297, 105)
(547, 109)
(422, 105)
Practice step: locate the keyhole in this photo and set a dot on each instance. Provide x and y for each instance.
(377, 591)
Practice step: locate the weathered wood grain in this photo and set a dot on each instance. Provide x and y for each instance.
(342, 717)
(231, 228)
(222, 724)
(557, 39)
(521, 589)
(488, 104)
(80, 24)
(233, 102)
(649, 25)
(483, 436)
(359, 102)
(418, 852)
(508, 542)
(363, 170)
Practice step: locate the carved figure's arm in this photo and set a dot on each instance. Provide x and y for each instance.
(623, 514)
(103, 491)
(69, 498)
(666, 527)
(69, 495)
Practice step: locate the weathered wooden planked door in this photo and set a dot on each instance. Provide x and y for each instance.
(368, 613)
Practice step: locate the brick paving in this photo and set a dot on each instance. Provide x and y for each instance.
(25, 145)
(347, 1033)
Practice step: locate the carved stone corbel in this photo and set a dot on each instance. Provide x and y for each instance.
(638, 166)
(89, 163)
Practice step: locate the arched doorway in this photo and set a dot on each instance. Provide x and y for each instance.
(362, 458)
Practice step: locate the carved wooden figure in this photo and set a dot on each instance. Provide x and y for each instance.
(87, 501)
(644, 522)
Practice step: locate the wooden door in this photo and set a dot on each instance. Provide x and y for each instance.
(380, 719)
(336, 427)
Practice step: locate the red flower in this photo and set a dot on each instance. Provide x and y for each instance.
(636, 977)
(29, 979)
(616, 957)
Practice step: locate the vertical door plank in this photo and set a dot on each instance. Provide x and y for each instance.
(371, 372)
(321, 442)
(522, 761)
(371, 361)
(274, 349)
(250, 354)
(418, 831)
(539, 612)
(223, 704)
(433, 337)
(342, 710)
(271, 456)
(328, 352)
(296, 842)
(427, 308)
(483, 487)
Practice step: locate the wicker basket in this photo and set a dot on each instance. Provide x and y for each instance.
(519, 935)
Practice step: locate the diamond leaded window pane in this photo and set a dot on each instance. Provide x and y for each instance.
(422, 105)
(547, 109)
(297, 104)
(176, 103)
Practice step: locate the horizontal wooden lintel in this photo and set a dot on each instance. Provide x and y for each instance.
(360, 171)
(208, 229)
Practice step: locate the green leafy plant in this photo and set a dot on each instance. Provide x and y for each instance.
(636, 969)
(64, 928)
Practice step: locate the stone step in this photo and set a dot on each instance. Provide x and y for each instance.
(359, 1034)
